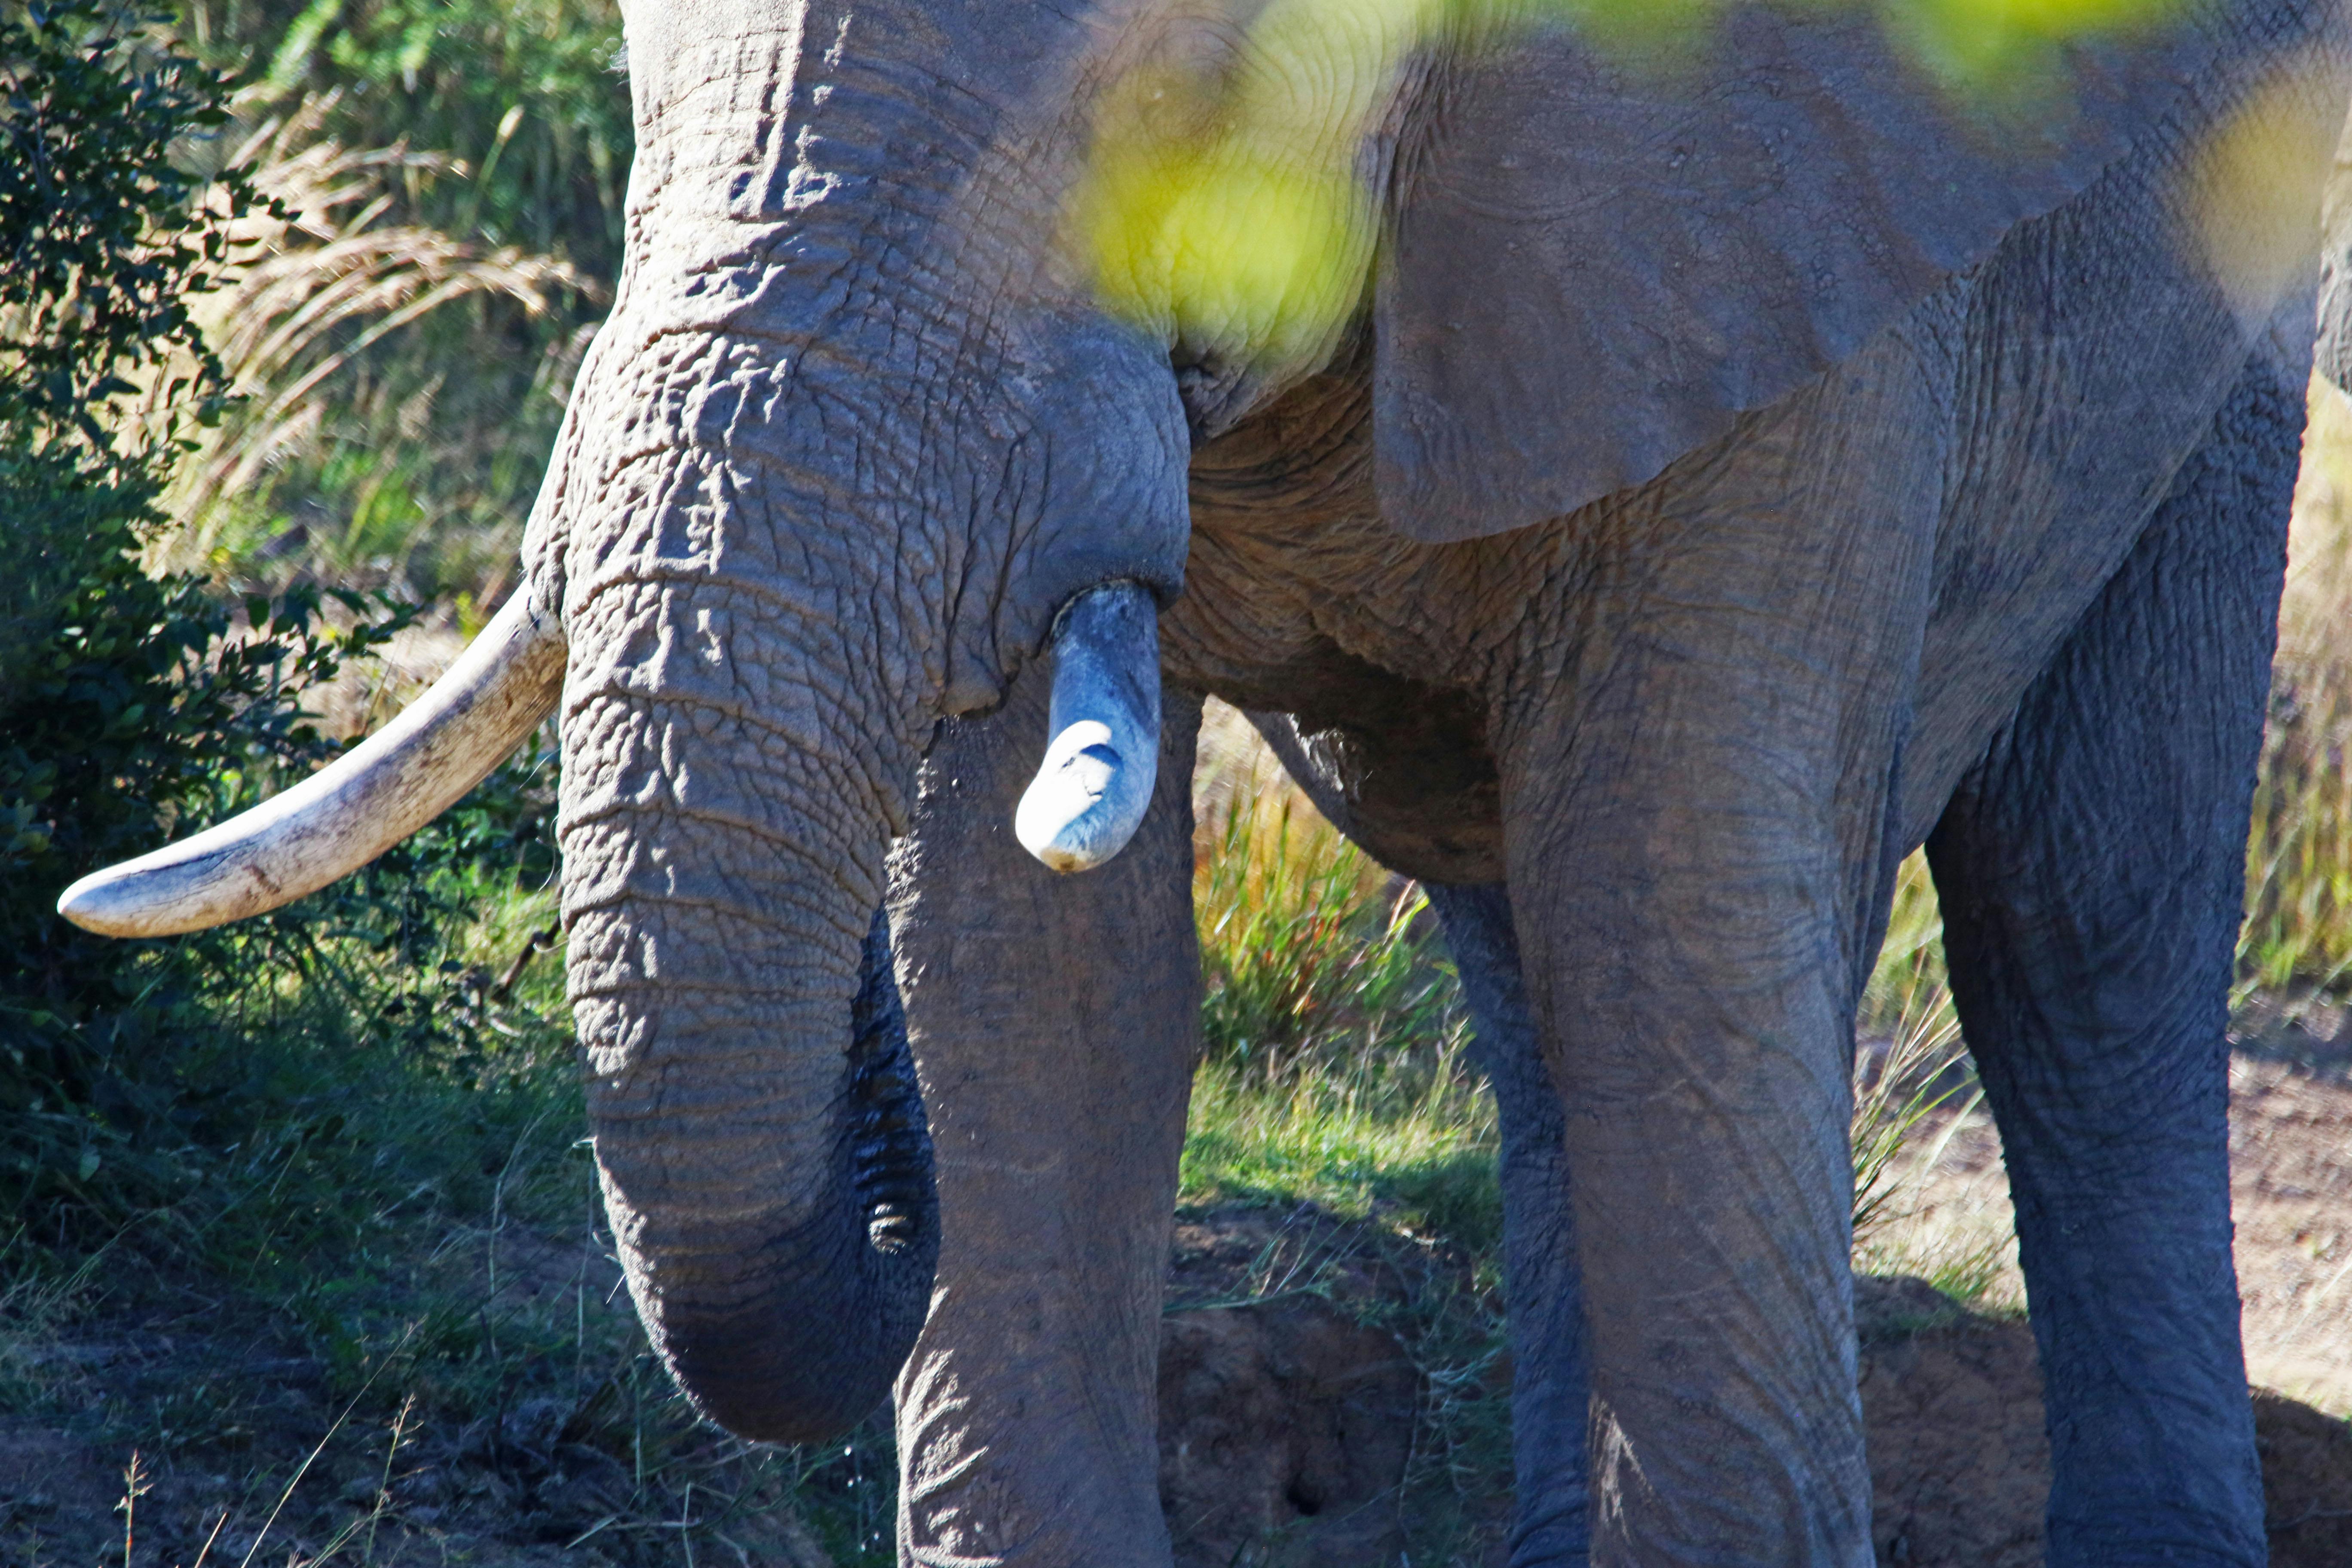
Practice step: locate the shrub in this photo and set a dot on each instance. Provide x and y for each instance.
(102, 258)
(135, 707)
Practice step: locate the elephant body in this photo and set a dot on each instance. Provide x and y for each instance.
(1683, 492)
(1928, 528)
(1986, 545)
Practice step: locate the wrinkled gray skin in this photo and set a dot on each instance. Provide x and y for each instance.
(1653, 661)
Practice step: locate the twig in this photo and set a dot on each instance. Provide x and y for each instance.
(1405, 894)
(136, 1484)
(207, 1551)
(383, 1483)
(304, 1468)
(539, 942)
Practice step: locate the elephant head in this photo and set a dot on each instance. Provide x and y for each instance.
(841, 463)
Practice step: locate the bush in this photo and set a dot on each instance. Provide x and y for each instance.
(102, 252)
(135, 709)
(103, 256)
(144, 715)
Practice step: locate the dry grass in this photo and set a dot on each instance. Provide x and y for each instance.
(328, 285)
(2298, 929)
(1336, 1066)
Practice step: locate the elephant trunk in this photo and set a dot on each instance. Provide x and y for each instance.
(828, 477)
(759, 1134)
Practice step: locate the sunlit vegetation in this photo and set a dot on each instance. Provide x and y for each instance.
(2298, 931)
(452, 173)
(1335, 1066)
(349, 1132)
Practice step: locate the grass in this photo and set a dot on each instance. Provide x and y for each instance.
(392, 1318)
(329, 281)
(453, 173)
(335, 1271)
(1334, 1064)
(2298, 931)
(358, 451)
(1335, 1084)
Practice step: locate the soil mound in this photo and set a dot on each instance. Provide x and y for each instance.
(1287, 1410)
(1952, 1407)
(2306, 1482)
(1287, 1421)
(1961, 1469)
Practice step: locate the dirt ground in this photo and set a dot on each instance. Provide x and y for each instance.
(1283, 1441)
(1952, 1397)
(1323, 1388)
(1952, 1404)
(2291, 1164)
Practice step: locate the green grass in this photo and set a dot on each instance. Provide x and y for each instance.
(1335, 1067)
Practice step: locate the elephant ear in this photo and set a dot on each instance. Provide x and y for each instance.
(1592, 271)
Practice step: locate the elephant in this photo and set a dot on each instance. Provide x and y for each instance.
(1659, 495)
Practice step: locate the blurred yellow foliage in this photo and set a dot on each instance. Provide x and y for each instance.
(2254, 193)
(1223, 206)
(2004, 54)
(1221, 248)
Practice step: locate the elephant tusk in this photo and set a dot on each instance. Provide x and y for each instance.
(347, 814)
(1095, 784)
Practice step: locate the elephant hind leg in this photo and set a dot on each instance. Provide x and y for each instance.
(1550, 1394)
(2092, 869)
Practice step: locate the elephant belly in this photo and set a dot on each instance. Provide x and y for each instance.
(1301, 609)
(2068, 379)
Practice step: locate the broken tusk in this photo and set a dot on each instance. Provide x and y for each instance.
(1095, 784)
(348, 812)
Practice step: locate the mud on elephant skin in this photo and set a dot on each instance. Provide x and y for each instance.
(1652, 502)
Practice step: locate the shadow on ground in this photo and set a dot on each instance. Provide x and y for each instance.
(1332, 1394)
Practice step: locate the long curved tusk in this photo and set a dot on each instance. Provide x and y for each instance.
(1092, 789)
(347, 814)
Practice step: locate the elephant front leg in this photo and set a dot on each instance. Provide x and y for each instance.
(2092, 869)
(1054, 1024)
(1551, 1526)
(1693, 983)
(1696, 764)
